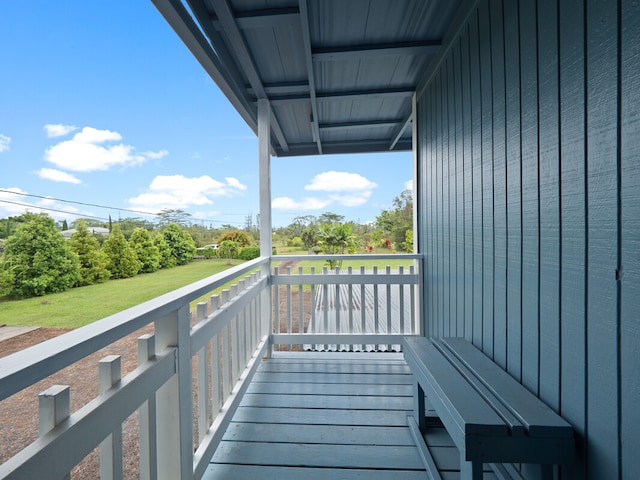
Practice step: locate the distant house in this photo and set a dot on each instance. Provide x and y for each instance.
(99, 230)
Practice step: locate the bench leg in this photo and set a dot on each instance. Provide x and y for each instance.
(419, 410)
(470, 470)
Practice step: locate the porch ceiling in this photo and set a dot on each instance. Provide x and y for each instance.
(339, 74)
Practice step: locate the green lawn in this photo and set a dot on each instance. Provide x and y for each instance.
(80, 306)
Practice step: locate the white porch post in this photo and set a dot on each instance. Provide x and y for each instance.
(264, 170)
(417, 194)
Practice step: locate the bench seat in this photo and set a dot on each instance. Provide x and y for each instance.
(490, 417)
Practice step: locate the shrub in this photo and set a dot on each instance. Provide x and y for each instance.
(147, 253)
(241, 238)
(249, 253)
(229, 249)
(122, 259)
(180, 242)
(93, 261)
(39, 258)
(166, 259)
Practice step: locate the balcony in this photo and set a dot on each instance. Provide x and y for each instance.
(222, 391)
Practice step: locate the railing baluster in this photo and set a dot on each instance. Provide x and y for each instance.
(350, 303)
(235, 344)
(147, 458)
(313, 303)
(289, 309)
(388, 285)
(54, 407)
(203, 379)
(109, 374)
(412, 298)
(325, 305)
(242, 331)
(401, 299)
(216, 372)
(338, 326)
(276, 301)
(376, 313)
(300, 304)
(363, 308)
(227, 383)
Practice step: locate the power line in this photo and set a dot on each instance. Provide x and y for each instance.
(54, 210)
(96, 206)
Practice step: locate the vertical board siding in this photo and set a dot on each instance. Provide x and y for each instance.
(630, 241)
(514, 190)
(533, 211)
(602, 234)
(549, 160)
(573, 150)
(530, 172)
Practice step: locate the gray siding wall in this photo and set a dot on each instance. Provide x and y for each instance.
(529, 210)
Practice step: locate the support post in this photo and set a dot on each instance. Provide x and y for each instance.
(418, 244)
(109, 374)
(147, 414)
(54, 407)
(174, 409)
(264, 169)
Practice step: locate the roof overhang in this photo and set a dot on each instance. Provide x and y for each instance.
(339, 74)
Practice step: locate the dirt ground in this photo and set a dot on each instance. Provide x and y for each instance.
(19, 413)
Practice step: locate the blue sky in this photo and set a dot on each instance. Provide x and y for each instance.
(102, 104)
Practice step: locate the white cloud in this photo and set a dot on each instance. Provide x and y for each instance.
(4, 143)
(177, 191)
(408, 185)
(340, 182)
(156, 155)
(57, 176)
(351, 199)
(85, 152)
(310, 203)
(58, 130)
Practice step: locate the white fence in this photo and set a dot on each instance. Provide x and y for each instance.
(229, 337)
(192, 374)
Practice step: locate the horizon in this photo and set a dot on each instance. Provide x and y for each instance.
(105, 107)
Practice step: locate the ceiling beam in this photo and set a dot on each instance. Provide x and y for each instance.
(236, 40)
(379, 94)
(306, 43)
(359, 125)
(269, 18)
(355, 52)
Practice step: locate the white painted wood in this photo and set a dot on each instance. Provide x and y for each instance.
(216, 366)
(204, 413)
(147, 457)
(109, 374)
(54, 407)
(174, 399)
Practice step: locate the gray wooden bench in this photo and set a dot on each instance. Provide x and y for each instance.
(490, 417)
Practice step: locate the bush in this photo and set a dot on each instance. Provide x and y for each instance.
(238, 236)
(249, 253)
(39, 258)
(209, 252)
(147, 253)
(182, 246)
(93, 261)
(123, 261)
(166, 259)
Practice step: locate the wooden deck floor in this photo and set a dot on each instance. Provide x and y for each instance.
(328, 416)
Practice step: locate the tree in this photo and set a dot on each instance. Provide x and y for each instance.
(330, 217)
(310, 237)
(336, 239)
(228, 249)
(238, 236)
(93, 261)
(395, 222)
(39, 258)
(170, 216)
(129, 224)
(166, 259)
(65, 226)
(147, 253)
(122, 259)
(182, 246)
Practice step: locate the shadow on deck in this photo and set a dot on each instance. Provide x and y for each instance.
(328, 416)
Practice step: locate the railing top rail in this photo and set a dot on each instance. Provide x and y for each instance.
(28, 366)
(365, 256)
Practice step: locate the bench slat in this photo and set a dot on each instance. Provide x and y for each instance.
(444, 386)
(538, 418)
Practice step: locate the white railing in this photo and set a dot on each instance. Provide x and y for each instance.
(227, 341)
(192, 372)
(345, 308)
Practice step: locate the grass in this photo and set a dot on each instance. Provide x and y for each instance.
(80, 306)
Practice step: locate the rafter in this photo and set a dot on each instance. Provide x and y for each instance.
(225, 15)
(306, 41)
(356, 52)
(359, 125)
(346, 96)
(270, 18)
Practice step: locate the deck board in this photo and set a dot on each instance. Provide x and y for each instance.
(328, 416)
